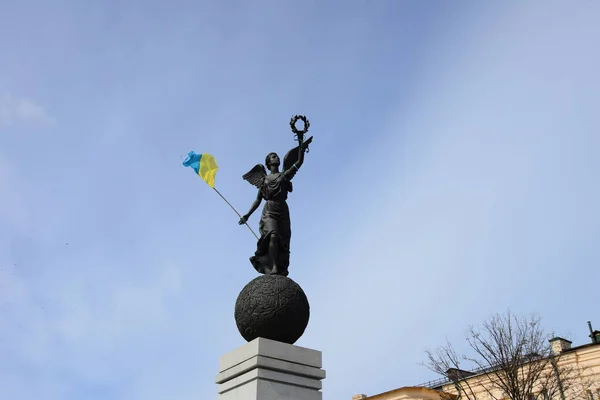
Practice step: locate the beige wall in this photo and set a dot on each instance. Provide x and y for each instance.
(407, 393)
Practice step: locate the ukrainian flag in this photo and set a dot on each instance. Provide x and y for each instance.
(205, 166)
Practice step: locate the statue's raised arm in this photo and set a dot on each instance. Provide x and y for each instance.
(294, 158)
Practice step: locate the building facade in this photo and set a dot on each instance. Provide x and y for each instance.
(582, 363)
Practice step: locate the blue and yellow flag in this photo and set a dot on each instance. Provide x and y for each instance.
(205, 166)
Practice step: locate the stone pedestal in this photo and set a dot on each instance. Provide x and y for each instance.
(264, 369)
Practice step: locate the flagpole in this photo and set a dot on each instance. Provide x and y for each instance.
(245, 223)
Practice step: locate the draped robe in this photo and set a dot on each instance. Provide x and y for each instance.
(275, 220)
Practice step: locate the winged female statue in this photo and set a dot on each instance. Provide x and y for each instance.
(272, 255)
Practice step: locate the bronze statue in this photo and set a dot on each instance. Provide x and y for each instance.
(272, 255)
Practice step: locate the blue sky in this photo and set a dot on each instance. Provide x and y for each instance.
(453, 174)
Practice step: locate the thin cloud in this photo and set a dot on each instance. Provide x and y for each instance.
(16, 111)
(83, 323)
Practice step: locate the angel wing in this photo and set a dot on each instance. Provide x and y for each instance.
(256, 175)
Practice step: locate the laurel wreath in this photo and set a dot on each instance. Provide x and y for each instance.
(295, 119)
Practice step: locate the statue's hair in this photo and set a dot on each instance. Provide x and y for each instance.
(267, 164)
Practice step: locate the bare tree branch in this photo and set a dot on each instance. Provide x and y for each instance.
(512, 359)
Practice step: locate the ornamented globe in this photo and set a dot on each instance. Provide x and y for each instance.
(272, 307)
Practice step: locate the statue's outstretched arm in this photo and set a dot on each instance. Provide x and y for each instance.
(253, 208)
(296, 166)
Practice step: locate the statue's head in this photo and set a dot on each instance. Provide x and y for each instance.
(272, 159)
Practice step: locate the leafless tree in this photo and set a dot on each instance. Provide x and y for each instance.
(510, 359)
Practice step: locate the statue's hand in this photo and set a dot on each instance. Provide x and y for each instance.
(243, 220)
(304, 145)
